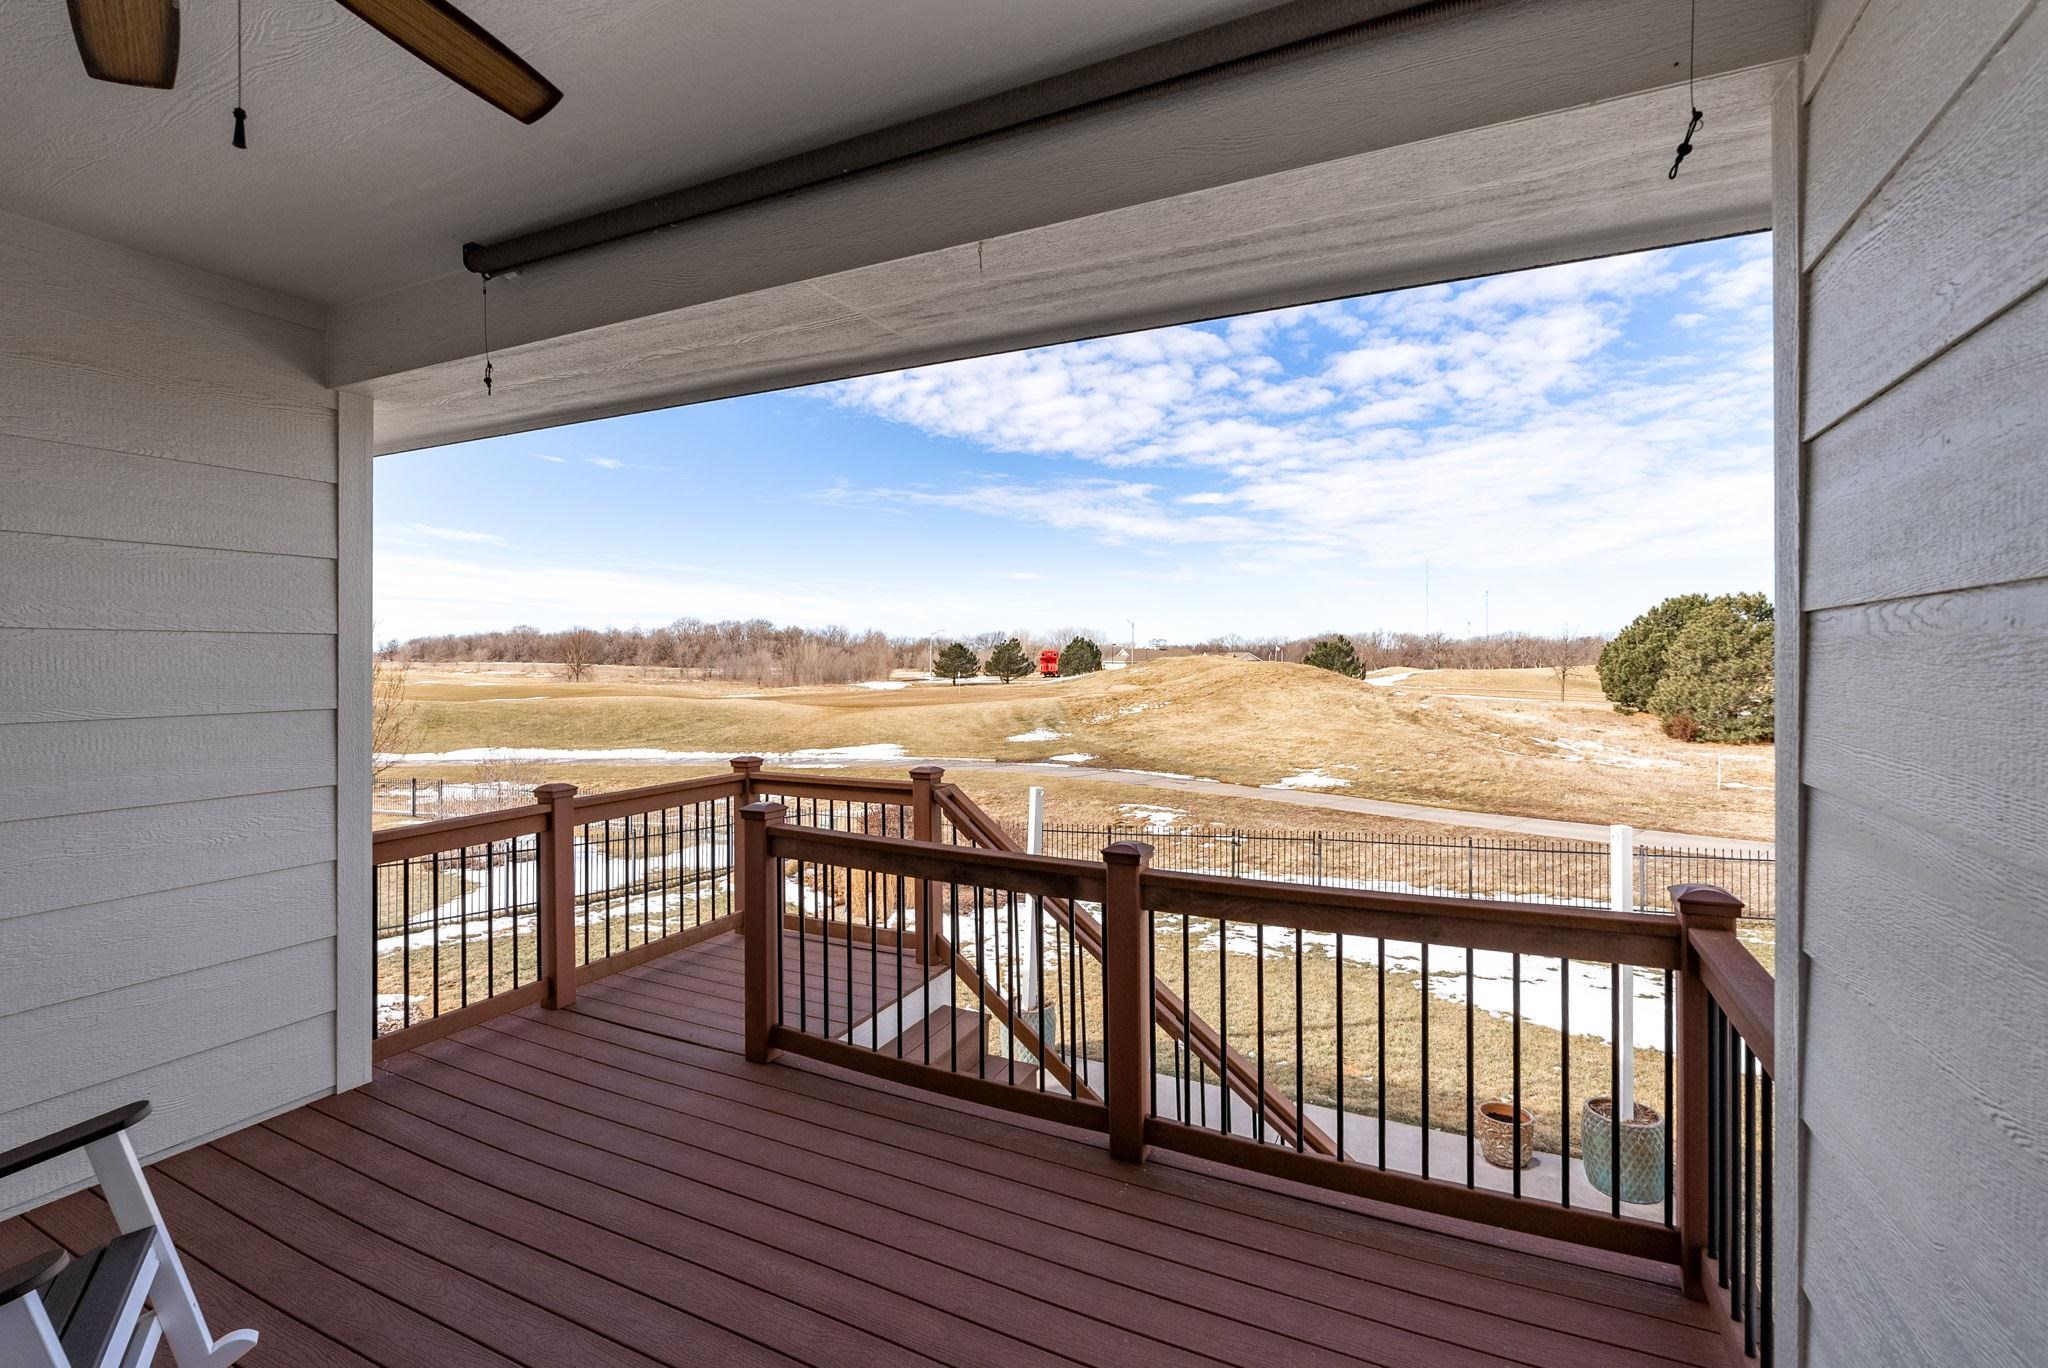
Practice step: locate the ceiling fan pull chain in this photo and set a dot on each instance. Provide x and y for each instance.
(1692, 38)
(241, 138)
(485, 277)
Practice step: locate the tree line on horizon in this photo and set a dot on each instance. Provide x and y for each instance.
(757, 651)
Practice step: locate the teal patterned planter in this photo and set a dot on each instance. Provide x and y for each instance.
(1642, 1152)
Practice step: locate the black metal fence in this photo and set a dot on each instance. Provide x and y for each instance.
(1471, 867)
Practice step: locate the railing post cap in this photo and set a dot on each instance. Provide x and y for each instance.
(931, 772)
(764, 811)
(555, 792)
(747, 764)
(1127, 852)
(1705, 900)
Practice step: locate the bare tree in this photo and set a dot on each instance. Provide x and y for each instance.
(394, 717)
(580, 648)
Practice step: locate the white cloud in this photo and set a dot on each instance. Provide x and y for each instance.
(448, 534)
(556, 460)
(1515, 422)
(605, 462)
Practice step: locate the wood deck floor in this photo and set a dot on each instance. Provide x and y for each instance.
(614, 1184)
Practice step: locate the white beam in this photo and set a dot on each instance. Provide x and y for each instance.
(1585, 182)
(1470, 69)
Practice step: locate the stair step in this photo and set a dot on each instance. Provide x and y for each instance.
(955, 1044)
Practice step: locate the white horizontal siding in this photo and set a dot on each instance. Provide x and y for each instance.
(169, 580)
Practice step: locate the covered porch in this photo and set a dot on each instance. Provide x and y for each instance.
(614, 1183)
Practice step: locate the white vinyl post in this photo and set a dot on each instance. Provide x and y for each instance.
(1621, 877)
(1026, 936)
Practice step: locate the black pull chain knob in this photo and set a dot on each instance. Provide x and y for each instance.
(1685, 148)
(241, 133)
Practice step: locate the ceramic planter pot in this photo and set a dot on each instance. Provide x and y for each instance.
(1642, 1151)
(1497, 1135)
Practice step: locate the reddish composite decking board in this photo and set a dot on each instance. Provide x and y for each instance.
(614, 1184)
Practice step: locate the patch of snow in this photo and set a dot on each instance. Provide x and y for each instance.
(1074, 757)
(883, 684)
(1387, 681)
(1597, 753)
(1042, 734)
(1310, 779)
(1157, 820)
(1161, 774)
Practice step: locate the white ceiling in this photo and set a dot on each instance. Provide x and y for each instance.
(367, 171)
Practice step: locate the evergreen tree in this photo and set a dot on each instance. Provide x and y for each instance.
(1717, 682)
(1007, 661)
(1632, 663)
(1082, 656)
(1336, 654)
(956, 663)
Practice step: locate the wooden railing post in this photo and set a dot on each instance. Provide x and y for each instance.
(1700, 907)
(924, 826)
(754, 870)
(744, 768)
(555, 893)
(1127, 998)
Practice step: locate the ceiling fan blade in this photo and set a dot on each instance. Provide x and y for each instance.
(461, 49)
(129, 42)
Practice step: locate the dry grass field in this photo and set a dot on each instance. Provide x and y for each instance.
(1480, 741)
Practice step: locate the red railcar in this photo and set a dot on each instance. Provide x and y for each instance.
(1048, 662)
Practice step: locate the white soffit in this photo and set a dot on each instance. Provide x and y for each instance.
(1582, 182)
(366, 171)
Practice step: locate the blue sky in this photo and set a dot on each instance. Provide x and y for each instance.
(1560, 447)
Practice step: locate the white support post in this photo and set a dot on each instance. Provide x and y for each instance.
(1028, 990)
(1621, 877)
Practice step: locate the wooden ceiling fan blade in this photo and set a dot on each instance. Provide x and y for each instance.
(129, 42)
(461, 49)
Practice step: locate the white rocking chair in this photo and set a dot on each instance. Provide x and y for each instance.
(109, 1308)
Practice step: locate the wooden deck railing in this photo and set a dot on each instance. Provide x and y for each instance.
(901, 933)
(485, 914)
(1167, 1042)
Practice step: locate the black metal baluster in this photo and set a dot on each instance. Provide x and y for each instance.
(1380, 1010)
(1340, 1022)
(1223, 1015)
(491, 915)
(1765, 1316)
(1187, 1016)
(1564, 1078)
(405, 941)
(435, 898)
(1745, 1305)
(1259, 982)
(1425, 1057)
(1471, 1083)
(1614, 1102)
(1300, 1094)
(803, 958)
(1515, 1009)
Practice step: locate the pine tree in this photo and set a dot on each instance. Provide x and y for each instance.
(1717, 683)
(1336, 654)
(1082, 656)
(956, 663)
(1633, 663)
(1007, 661)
